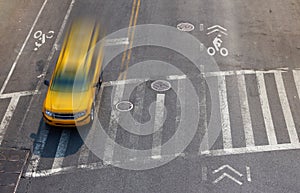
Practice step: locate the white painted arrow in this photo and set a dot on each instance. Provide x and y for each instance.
(219, 29)
(229, 167)
(217, 26)
(228, 176)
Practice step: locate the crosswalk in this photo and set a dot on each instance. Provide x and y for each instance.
(254, 100)
(268, 119)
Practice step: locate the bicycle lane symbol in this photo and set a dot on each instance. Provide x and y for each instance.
(217, 42)
(41, 38)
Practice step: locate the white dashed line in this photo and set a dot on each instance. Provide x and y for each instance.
(249, 179)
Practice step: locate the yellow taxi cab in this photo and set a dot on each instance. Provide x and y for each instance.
(70, 99)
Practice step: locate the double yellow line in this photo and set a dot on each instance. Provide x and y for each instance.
(130, 34)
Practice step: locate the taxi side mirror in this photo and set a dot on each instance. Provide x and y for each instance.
(46, 82)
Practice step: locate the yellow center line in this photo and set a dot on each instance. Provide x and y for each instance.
(132, 38)
(128, 35)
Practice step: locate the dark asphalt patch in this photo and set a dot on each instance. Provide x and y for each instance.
(12, 162)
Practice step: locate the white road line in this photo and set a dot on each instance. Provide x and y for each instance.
(222, 152)
(7, 117)
(64, 170)
(286, 108)
(135, 81)
(113, 125)
(137, 112)
(206, 74)
(38, 149)
(18, 94)
(180, 103)
(225, 119)
(243, 72)
(117, 41)
(58, 37)
(176, 77)
(204, 145)
(22, 48)
(266, 109)
(254, 149)
(248, 174)
(84, 152)
(249, 138)
(296, 75)
(61, 149)
(158, 122)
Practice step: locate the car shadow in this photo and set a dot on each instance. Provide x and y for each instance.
(48, 139)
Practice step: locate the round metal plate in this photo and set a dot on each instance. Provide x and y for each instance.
(187, 27)
(160, 85)
(124, 106)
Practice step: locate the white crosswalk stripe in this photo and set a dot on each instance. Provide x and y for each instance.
(113, 125)
(249, 138)
(38, 150)
(286, 108)
(225, 112)
(266, 109)
(157, 136)
(61, 149)
(225, 119)
(273, 144)
(296, 75)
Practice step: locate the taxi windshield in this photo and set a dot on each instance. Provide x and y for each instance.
(69, 82)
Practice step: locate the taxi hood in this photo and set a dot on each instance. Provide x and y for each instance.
(61, 102)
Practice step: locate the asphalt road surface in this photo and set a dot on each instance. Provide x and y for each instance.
(224, 117)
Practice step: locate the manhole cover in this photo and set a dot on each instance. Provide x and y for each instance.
(185, 27)
(124, 106)
(160, 85)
